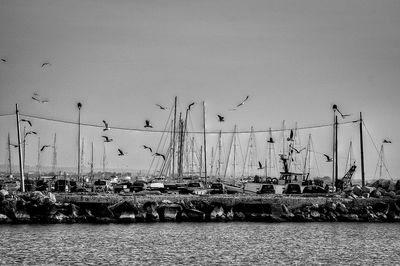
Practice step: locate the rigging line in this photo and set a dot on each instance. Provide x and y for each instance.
(192, 132)
(1, 115)
(376, 148)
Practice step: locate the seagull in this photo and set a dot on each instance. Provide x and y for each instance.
(271, 140)
(46, 64)
(44, 101)
(106, 127)
(30, 132)
(240, 104)
(148, 124)
(190, 105)
(161, 107)
(221, 118)
(159, 154)
(387, 141)
(146, 147)
(36, 99)
(121, 153)
(4, 60)
(29, 122)
(260, 165)
(44, 146)
(328, 159)
(296, 150)
(107, 139)
(14, 145)
(290, 138)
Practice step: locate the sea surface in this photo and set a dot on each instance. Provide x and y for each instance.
(236, 243)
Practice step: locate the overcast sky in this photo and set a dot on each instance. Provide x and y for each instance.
(120, 58)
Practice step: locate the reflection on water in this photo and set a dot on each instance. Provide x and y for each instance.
(201, 244)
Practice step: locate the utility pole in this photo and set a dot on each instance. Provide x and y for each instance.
(79, 105)
(362, 152)
(9, 155)
(21, 161)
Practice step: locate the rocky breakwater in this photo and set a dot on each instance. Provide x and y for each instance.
(38, 207)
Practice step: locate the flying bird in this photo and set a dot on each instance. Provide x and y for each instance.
(36, 99)
(44, 146)
(221, 118)
(107, 139)
(260, 165)
(46, 64)
(290, 138)
(27, 121)
(4, 60)
(106, 127)
(121, 153)
(240, 104)
(190, 105)
(159, 154)
(296, 150)
(387, 141)
(271, 140)
(161, 107)
(30, 132)
(328, 159)
(146, 147)
(14, 145)
(148, 124)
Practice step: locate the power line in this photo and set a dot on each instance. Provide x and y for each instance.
(191, 132)
(1, 115)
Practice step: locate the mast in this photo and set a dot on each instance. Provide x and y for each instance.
(82, 156)
(9, 155)
(336, 149)
(362, 152)
(104, 159)
(54, 154)
(234, 156)
(23, 146)
(219, 152)
(38, 159)
(21, 161)
(229, 154)
(91, 165)
(307, 158)
(173, 139)
(205, 143)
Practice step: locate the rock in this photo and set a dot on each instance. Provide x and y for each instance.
(349, 217)
(331, 206)
(357, 191)
(169, 212)
(3, 194)
(230, 215)
(331, 216)
(381, 207)
(37, 197)
(22, 217)
(8, 207)
(376, 194)
(315, 215)
(397, 185)
(127, 217)
(217, 214)
(391, 194)
(239, 216)
(367, 189)
(381, 216)
(366, 195)
(51, 197)
(341, 208)
(123, 207)
(4, 219)
(60, 218)
(195, 215)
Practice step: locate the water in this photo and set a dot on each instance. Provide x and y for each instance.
(201, 244)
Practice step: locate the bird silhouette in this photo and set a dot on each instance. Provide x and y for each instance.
(106, 127)
(271, 140)
(107, 139)
(161, 107)
(387, 141)
(221, 118)
(30, 132)
(121, 153)
(328, 159)
(14, 145)
(240, 104)
(260, 165)
(190, 105)
(3, 60)
(44, 147)
(148, 124)
(159, 154)
(36, 99)
(147, 147)
(290, 138)
(27, 121)
(298, 151)
(46, 64)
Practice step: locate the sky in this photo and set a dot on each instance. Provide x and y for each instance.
(294, 59)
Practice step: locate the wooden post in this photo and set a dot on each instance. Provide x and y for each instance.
(362, 152)
(21, 161)
(205, 143)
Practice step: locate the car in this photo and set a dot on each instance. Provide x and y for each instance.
(138, 185)
(218, 188)
(314, 189)
(292, 188)
(102, 186)
(266, 189)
